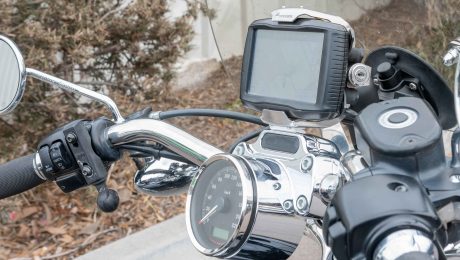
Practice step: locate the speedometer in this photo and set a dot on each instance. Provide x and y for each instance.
(220, 206)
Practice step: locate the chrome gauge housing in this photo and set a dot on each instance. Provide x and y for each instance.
(221, 206)
(258, 201)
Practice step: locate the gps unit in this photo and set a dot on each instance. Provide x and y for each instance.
(297, 67)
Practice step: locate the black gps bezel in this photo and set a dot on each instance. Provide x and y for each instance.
(334, 61)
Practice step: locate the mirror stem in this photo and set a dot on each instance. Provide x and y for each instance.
(65, 85)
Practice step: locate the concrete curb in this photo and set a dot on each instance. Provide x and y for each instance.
(169, 240)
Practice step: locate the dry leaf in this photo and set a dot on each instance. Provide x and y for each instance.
(66, 239)
(90, 229)
(124, 194)
(74, 210)
(24, 231)
(55, 230)
(35, 229)
(26, 212)
(48, 216)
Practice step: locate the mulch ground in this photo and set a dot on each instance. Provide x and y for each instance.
(45, 223)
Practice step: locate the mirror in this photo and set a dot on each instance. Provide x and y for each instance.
(12, 75)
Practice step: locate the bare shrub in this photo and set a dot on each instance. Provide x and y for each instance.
(128, 47)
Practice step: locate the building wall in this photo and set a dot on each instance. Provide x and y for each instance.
(233, 17)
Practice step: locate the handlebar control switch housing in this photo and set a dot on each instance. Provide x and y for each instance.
(402, 136)
(67, 157)
(359, 221)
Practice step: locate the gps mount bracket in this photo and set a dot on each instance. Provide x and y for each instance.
(279, 119)
(290, 15)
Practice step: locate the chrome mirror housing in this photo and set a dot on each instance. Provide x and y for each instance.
(13, 80)
(12, 75)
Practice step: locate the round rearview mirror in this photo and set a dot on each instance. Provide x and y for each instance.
(12, 75)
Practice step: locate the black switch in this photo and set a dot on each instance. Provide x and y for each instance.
(61, 159)
(48, 168)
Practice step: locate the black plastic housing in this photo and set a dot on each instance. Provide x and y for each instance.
(367, 210)
(329, 102)
(389, 150)
(76, 154)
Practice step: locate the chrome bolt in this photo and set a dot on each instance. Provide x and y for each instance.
(302, 203)
(71, 138)
(306, 164)
(288, 205)
(329, 186)
(277, 186)
(412, 86)
(401, 188)
(239, 150)
(87, 171)
(376, 82)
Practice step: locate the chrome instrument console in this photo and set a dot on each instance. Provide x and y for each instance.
(312, 172)
(292, 177)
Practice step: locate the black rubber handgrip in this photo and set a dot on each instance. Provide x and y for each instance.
(18, 176)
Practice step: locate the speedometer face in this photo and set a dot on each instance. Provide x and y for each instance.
(218, 204)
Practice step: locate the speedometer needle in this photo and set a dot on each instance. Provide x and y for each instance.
(210, 213)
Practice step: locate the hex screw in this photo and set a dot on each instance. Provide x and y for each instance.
(412, 86)
(302, 203)
(306, 164)
(376, 82)
(71, 138)
(239, 150)
(288, 205)
(87, 171)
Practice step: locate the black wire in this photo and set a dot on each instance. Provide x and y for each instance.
(246, 138)
(211, 113)
(146, 151)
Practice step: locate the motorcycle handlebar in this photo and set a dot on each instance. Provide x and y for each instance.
(173, 138)
(18, 176)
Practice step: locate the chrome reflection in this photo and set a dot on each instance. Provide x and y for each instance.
(405, 242)
(173, 138)
(164, 177)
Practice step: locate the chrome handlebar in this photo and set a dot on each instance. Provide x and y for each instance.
(173, 138)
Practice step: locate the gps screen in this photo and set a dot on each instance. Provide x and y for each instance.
(286, 65)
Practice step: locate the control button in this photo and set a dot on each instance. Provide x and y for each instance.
(398, 118)
(47, 164)
(60, 157)
(393, 119)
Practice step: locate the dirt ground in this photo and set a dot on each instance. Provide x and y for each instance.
(46, 224)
